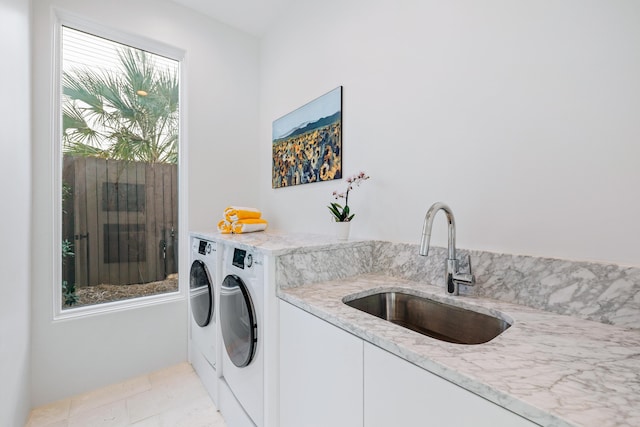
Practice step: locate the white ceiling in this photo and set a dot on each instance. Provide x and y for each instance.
(251, 16)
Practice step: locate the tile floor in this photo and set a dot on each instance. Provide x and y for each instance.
(172, 397)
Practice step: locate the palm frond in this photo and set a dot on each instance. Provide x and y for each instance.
(104, 113)
(76, 148)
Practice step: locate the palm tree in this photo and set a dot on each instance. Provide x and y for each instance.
(129, 115)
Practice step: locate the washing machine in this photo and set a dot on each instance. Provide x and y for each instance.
(202, 306)
(241, 302)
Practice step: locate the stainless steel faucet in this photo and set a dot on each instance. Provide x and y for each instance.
(453, 278)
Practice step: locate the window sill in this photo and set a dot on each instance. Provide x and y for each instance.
(116, 306)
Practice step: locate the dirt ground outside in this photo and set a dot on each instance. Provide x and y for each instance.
(97, 294)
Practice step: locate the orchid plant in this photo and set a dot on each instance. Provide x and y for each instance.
(340, 213)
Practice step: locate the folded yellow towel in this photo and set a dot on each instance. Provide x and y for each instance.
(224, 226)
(248, 225)
(236, 213)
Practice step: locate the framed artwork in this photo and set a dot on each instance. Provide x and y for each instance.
(307, 143)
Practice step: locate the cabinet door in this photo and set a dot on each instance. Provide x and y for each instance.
(320, 372)
(398, 393)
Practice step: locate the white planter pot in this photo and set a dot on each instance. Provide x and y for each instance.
(342, 230)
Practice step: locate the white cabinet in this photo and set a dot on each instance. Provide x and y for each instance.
(398, 393)
(329, 377)
(320, 372)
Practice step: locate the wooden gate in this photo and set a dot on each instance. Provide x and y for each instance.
(122, 218)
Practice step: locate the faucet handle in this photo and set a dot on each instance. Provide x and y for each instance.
(465, 279)
(468, 279)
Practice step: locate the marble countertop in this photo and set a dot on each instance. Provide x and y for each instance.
(552, 369)
(274, 242)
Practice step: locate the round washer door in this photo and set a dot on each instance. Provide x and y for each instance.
(238, 321)
(200, 293)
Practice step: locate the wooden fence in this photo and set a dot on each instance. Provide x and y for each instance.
(122, 219)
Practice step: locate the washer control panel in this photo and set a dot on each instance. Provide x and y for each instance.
(203, 247)
(243, 259)
(239, 257)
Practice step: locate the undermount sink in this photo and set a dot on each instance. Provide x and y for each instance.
(432, 318)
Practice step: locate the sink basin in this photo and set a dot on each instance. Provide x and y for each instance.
(434, 319)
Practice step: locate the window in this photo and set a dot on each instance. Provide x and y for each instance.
(119, 191)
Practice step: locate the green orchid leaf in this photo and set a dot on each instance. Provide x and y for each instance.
(336, 211)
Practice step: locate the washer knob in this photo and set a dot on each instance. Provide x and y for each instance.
(249, 261)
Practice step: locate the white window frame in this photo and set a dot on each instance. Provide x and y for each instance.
(63, 18)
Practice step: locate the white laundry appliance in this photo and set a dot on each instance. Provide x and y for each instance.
(241, 302)
(202, 306)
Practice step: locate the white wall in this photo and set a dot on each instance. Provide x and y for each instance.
(522, 116)
(15, 178)
(73, 356)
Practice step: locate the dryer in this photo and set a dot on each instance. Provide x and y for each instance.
(202, 306)
(242, 299)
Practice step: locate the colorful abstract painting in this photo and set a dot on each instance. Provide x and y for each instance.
(307, 143)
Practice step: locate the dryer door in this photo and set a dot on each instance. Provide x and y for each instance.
(238, 321)
(200, 293)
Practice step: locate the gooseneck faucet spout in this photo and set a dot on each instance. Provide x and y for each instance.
(428, 224)
(453, 278)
